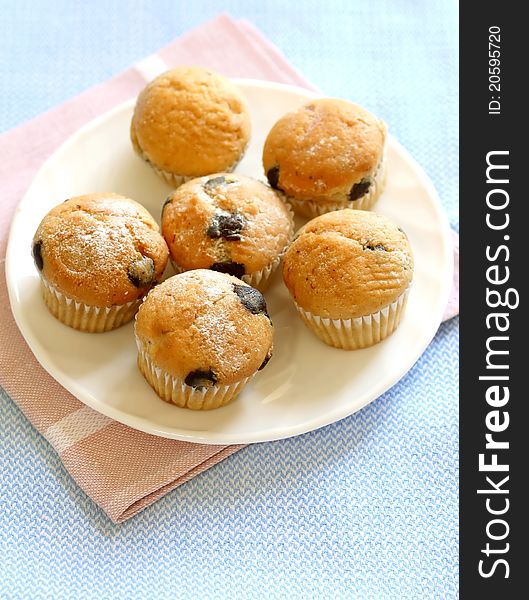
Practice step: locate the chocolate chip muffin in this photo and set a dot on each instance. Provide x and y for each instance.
(327, 155)
(97, 256)
(201, 336)
(349, 273)
(227, 223)
(190, 122)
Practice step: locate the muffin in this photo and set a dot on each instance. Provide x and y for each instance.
(349, 273)
(227, 223)
(190, 122)
(97, 256)
(201, 336)
(327, 155)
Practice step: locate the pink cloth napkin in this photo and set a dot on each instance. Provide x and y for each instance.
(127, 479)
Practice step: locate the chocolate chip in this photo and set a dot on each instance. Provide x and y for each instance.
(251, 299)
(214, 182)
(168, 200)
(37, 254)
(273, 177)
(226, 226)
(210, 185)
(265, 361)
(231, 268)
(359, 189)
(141, 272)
(377, 247)
(200, 379)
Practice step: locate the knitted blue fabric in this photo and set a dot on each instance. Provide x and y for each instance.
(364, 508)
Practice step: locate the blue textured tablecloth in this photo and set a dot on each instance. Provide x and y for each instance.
(365, 508)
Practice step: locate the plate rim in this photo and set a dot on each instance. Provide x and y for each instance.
(216, 438)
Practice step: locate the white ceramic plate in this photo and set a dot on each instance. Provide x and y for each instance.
(307, 384)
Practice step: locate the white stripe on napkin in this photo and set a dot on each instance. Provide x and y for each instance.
(151, 67)
(75, 427)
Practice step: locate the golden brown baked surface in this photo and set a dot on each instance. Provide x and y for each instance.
(101, 249)
(226, 218)
(320, 151)
(347, 264)
(204, 325)
(191, 121)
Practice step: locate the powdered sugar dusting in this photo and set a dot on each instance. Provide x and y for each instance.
(217, 330)
(81, 248)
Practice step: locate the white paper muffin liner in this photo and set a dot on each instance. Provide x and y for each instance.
(84, 317)
(312, 208)
(259, 279)
(361, 332)
(174, 390)
(177, 180)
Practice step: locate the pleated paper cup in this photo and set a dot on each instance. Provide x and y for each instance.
(259, 279)
(312, 208)
(361, 332)
(85, 317)
(175, 391)
(176, 180)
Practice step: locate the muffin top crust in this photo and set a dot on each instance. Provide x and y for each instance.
(323, 149)
(348, 263)
(191, 121)
(206, 328)
(228, 222)
(101, 249)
